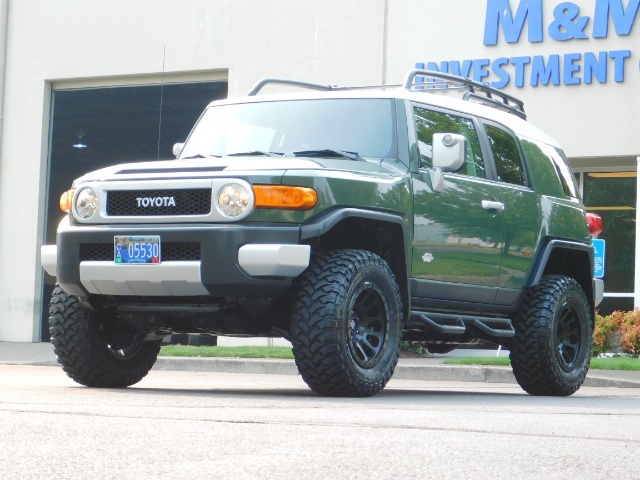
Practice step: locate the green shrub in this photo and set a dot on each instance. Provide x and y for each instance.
(630, 332)
(414, 347)
(606, 327)
(618, 332)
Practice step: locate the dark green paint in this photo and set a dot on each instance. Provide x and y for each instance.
(452, 237)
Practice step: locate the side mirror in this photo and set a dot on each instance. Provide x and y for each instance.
(177, 149)
(448, 151)
(448, 156)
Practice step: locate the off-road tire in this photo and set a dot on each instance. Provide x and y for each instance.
(551, 350)
(346, 324)
(81, 348)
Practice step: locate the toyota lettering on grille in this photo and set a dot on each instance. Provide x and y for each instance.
(161, 202)
(151, 202)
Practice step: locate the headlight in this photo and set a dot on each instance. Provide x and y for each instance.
(234, 200)
(86, 203)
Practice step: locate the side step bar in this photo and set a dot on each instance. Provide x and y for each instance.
(441, 323)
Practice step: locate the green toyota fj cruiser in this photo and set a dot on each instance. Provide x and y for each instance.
(345, 220)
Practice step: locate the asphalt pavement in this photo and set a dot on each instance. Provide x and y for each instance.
(424, 368)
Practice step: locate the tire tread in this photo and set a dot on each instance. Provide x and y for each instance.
(83, 357)
(531, 349)
(320, 358)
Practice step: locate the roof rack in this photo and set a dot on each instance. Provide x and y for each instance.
(314, 86)
(265, 81)
(476, 91)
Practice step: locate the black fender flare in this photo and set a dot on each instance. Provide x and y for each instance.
(542, 258)
(545, 252)
(324, 222)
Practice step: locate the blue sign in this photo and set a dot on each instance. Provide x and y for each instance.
(598, 257)
(568, 23)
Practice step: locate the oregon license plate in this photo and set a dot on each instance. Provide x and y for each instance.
(129, 249)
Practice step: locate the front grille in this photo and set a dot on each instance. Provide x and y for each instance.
(170, 251)
(137, 203)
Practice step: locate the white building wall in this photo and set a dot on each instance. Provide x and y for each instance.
(595, 120)
(88, 43)
(80, 43)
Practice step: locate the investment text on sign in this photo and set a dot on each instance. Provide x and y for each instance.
(568, 23)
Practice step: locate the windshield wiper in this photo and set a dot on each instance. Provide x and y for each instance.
(254, 153)
(198, 155)
(328, 152)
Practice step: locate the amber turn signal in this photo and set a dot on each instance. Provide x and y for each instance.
(278, 196)
(66, 200)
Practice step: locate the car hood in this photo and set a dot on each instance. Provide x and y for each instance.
(233, 167)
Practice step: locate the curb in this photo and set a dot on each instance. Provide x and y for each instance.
(439, 372)
(599, 381)
(452, 373)
(271, 366)
(405, 370)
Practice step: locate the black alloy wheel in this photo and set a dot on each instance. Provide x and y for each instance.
(568, 337)
(369, 327)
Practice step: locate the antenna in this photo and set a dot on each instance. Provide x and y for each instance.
(164, 56)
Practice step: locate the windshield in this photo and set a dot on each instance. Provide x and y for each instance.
(361, 126)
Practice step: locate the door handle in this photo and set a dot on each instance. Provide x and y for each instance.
(490, 205)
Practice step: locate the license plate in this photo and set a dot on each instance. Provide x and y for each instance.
(136, 249)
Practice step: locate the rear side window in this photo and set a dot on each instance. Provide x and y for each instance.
(429, 122)
(506, 155)
(564, 172)
(544, 172)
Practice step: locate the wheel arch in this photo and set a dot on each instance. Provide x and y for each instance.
(382, 233)
(564, 257)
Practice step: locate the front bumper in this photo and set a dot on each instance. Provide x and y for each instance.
(234, 261)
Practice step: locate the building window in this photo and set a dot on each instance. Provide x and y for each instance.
(612, 195)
